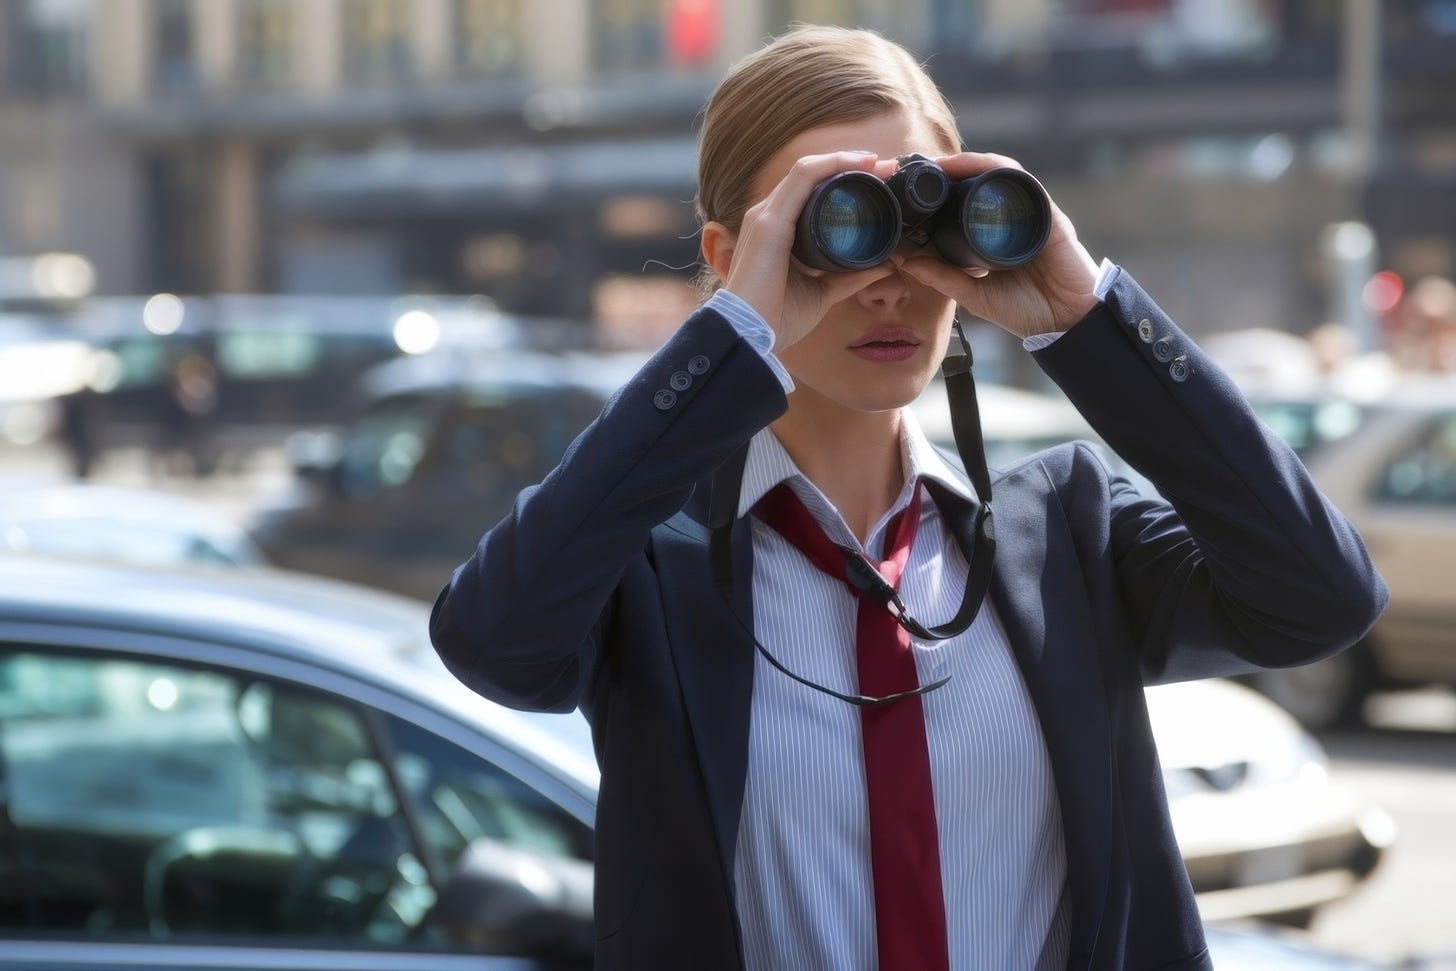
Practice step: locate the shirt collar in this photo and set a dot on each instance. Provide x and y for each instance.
(768, 464)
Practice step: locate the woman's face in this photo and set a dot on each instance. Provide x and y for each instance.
(875, 350)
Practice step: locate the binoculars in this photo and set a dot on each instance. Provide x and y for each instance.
(853, 220)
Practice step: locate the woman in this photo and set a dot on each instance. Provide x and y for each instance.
(1005, 809)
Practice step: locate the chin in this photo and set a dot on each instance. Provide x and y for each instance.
(884, 396)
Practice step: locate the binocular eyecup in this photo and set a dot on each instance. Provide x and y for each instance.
(853, 220)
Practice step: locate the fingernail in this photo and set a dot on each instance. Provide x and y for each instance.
(861, 151)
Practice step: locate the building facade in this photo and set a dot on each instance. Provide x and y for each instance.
(541, 152)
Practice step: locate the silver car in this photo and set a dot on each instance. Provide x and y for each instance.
(1390, 465)
(239, 770)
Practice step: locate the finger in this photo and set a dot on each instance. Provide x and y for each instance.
(789, 196)
(967, 164)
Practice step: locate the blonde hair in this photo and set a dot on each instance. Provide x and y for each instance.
(807, 78)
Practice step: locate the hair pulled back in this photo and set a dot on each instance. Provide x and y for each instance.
(807, 78)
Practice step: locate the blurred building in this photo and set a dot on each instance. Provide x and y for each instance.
(541, 151)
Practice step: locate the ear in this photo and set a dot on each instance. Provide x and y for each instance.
(717, 246)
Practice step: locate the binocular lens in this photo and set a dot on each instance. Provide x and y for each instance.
(850, 222)
(1005, 220)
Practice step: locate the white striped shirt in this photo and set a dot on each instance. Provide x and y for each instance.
(802, 865)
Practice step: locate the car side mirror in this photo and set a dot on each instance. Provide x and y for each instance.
(316, 457)
(505, 900)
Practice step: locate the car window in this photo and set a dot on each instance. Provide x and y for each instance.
(268, 353)
(461, 798)
(1424, 473)
(1310, 425)
(160, 801)
(386, 445)
(500, 443)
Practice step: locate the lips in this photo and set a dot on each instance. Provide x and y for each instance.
(886, 343)
(888, 334)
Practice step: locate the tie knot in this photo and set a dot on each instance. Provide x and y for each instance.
(783, 511)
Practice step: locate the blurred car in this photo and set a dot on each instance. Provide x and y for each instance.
(215, 379)
(248, 770)
(1264, 830)
(440, 448)
(1390, 465)
(211, 380)
(128, 525)
(1248, 947)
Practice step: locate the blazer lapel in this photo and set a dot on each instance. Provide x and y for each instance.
(712, 650)
(1038, 595)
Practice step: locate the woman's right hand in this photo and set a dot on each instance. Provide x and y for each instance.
(789, 296)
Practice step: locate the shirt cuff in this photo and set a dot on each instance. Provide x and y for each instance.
(752, 328)
(1105, 274)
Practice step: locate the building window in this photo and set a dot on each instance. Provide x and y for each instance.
(48, 49)
(266, 30)
(175, 65)
(377, 40)
(628, 35)
(490, 36)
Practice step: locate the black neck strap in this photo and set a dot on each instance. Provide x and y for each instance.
(971, 524)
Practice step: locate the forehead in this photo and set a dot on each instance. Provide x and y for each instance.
(895, 132)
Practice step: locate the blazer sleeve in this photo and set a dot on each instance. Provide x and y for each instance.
(521, 621)
(1242, 562)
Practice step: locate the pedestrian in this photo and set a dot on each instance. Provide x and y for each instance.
(874, 796)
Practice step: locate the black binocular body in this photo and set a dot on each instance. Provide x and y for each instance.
(854, 220)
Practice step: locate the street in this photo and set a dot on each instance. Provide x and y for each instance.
(1408, 906)
(1405, 763)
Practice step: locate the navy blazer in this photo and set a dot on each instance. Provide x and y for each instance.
(596, 591)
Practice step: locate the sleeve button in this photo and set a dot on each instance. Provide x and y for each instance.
(680, 381)
(1179, 369)
(664, 399)
(698, 364)
(1145, 330)
(1163, 350)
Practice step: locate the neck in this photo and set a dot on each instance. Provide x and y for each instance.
(852, 456)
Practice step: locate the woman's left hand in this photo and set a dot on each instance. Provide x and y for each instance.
(1047, 295)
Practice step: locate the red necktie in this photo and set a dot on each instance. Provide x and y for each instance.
(904, 842)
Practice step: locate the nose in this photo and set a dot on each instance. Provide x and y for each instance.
(888, 292)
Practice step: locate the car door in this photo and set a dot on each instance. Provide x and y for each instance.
(162, 812)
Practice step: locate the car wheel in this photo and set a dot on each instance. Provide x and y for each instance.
(1326, 694)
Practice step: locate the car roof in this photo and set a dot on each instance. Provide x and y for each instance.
(72, 500)
(362, 633)
(1437, 391)
(491, 372)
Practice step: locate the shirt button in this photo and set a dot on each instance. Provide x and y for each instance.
(1145, 330)
(1163, 350)
(664, 399)
(698, 364)
(1179, 369)
(680, 381)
